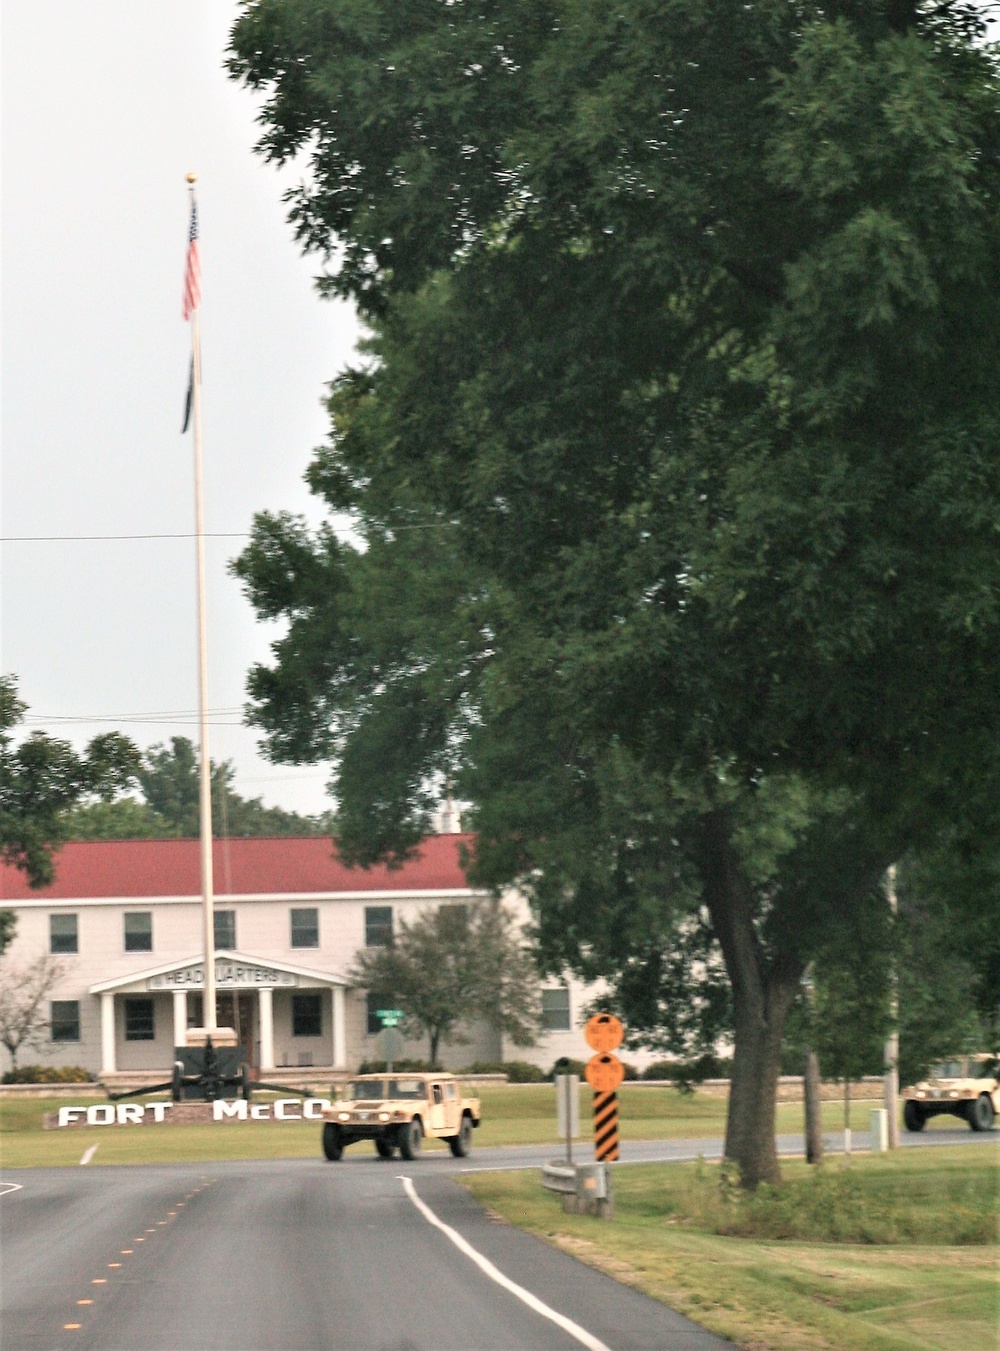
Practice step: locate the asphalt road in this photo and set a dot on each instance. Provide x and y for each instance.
(290, 1254)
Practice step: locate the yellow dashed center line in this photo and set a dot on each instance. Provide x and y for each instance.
(129, 1252)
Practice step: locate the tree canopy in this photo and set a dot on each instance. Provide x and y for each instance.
(42, 779)
(673, 457)
(169, 777)
(454, 965)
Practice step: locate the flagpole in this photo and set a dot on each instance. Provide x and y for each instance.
(205, 812)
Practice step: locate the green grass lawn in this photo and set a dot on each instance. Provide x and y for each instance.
(828, 1283)
(512, 1115)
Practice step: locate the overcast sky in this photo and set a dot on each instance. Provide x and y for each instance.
(106, 106)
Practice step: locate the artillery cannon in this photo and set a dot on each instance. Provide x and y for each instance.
(211, 1065)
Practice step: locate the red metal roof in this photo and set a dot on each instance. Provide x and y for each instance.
(271, 866)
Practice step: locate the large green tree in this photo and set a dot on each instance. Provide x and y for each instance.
(454, 965)
(169, 777)
(674, 459)
(42, 779)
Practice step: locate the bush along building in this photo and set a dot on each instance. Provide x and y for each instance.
(124, 920)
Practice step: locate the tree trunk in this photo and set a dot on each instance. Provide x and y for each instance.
(814, 1124)
(763, 991)
(435, 1037)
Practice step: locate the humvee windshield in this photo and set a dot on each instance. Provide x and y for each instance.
(370, 1090)
(951, 1069)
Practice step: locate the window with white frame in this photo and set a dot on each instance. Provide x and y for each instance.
(64, 1019)
(63, 934)
(138, 931)
(305, 928)
(555, 1009)
(140, 1024)
(378, 926)
(307, 1015)
(225, 928)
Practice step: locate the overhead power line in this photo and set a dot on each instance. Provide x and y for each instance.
(178, 534)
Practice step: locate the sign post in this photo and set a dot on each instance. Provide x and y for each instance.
(391, 1040)
(568, 1109)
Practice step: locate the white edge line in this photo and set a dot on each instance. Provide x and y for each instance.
(88, 1154)
(487, 1267)
(6, 1187)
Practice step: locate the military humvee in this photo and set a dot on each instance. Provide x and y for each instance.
(397, 1111)
(967, 1087)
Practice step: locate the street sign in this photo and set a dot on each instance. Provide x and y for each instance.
(389, 1017)
(604, 1073)
(604, 1032)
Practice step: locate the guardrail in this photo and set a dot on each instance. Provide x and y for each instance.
(586, 1188)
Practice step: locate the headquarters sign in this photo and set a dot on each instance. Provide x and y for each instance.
(229, 975)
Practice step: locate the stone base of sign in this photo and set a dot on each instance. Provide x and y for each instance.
(601, 1207)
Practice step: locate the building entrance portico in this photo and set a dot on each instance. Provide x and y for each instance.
(283, 1014)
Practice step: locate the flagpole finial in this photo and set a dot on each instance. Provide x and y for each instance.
(192, 178)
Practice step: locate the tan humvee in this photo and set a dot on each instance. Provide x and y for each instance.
(396, 1111)
(967, 1086)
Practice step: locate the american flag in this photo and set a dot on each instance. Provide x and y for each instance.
(192, 271)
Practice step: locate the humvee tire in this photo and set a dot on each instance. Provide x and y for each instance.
(410, 1137)
(461, 1143)
(332, 1146)
(384, 1148)
(981, 1113)
(913, 1117)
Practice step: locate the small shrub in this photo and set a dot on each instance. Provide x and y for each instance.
(687, 1074)
(566, 1066)
(517, 1071)
(48, 1074)
(660, 1069)
(398, 1067)
(838, 1204)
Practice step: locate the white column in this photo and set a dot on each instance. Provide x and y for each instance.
(108, 1062)
(265, 1008)
(339, 1031)
(180, 1017)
